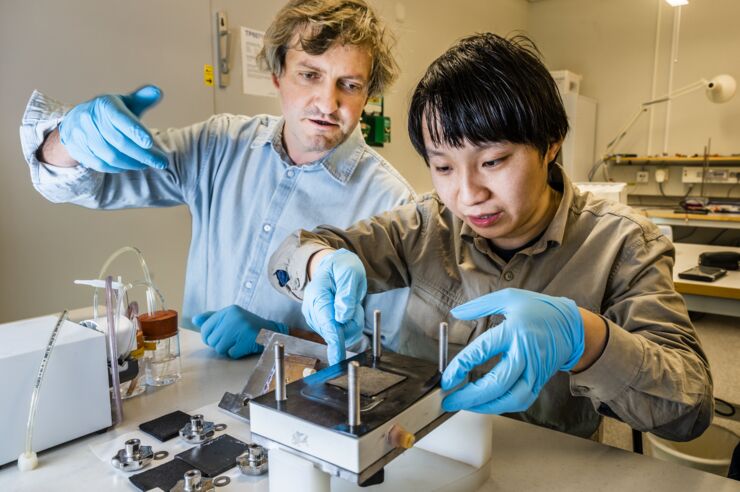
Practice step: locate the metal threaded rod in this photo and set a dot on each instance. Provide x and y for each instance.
(353, 385)
(443, 329)
(279, 373)
(377, 347)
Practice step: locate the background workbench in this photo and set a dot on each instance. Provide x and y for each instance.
(719, 297)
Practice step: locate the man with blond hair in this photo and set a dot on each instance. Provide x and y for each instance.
(247, 181)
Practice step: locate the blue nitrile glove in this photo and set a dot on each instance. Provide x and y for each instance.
(540, 336)
(233, 330)
(332, 302)
(105, 133)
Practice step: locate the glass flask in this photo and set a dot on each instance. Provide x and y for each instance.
(161, 347)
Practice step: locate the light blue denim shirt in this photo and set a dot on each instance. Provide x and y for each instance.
(245, 196)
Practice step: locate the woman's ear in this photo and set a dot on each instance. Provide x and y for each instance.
(552, 152)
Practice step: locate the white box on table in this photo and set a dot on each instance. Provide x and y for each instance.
(74, 400)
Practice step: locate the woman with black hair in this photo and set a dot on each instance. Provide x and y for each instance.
(569, 307)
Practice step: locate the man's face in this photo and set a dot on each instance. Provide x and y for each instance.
(499, 189)
(322, 98)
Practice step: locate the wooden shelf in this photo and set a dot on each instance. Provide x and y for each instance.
(674, 161)
(669, 217)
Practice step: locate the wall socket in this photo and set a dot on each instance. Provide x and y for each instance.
(727, 175)
(661, 175)
(643, 176)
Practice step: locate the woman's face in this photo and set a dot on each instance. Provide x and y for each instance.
(499, 189)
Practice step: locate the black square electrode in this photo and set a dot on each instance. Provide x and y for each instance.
(214, 457)
(167, 426)
(164, 476)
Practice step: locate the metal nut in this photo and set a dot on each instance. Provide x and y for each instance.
(253, 461)
(198, 430)
(133, 456)
(193, 481)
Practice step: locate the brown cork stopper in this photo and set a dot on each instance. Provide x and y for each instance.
(159, 325)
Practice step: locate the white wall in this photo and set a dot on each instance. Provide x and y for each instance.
(430, 27)
(73, 50)
(611, 43)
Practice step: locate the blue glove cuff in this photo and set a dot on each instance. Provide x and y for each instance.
(575, 323)
(281, 328)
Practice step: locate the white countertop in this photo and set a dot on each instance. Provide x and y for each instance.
(525, 457)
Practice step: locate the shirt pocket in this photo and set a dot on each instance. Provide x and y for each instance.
(427, 307)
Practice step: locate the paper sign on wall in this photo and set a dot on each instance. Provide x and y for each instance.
(255, 81)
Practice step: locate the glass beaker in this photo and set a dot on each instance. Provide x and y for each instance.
(161, 347)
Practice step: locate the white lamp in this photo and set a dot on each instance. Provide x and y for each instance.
(718, 89)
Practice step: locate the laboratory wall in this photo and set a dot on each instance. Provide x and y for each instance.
(75, 49)
(428, 28)
(612, 44)
(71, 51)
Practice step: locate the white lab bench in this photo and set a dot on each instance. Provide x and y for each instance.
(525, 457)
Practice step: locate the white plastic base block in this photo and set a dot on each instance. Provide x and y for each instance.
(466, 437)
(289, 473)
(456, 456)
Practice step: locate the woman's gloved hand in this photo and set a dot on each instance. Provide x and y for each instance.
(540, 336)
(105, 133)
(233, 331)
(332, 302)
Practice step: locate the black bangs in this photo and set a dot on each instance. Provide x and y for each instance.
(487, 89)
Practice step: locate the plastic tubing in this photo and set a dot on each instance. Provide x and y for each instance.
(147, 277)
(29, 454)
(113, 347)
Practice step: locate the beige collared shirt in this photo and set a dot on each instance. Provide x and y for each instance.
(653, 373)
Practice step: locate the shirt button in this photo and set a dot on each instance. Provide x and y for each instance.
(267, 227)
(508, 276)
(248, 285)
(291, 173)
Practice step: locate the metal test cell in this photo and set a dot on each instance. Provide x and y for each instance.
(253, 461)
(133, 456)
(198, 430)
(371, 406)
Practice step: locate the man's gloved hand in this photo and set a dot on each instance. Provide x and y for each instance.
(332, 302)
(540, 336)
(105, 133)
(233, 330)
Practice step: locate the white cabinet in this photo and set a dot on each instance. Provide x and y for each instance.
(578, 148)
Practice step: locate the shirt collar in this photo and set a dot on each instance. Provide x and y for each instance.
(341, 162)
(555, 230)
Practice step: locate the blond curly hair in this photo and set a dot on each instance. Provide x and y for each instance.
(322, 24)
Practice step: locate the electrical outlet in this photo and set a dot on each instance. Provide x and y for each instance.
(728, 175)
(643, 176)
(661, 175)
